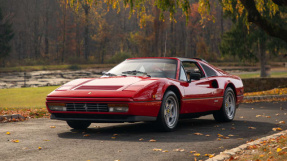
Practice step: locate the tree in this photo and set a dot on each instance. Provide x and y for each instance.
(249, 43)
(6, 35)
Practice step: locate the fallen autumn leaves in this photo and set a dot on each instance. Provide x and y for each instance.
(26, 113)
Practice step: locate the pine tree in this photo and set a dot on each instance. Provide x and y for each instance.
(6, 35)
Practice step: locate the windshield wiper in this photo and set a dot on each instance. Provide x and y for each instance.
(134, 72)
(110, 74)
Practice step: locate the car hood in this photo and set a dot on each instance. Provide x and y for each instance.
(120, 87)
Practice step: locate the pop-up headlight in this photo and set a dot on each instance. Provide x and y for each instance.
(118, 107)
(57, 106)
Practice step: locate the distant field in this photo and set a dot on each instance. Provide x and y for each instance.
(257, 74)
(24, 97)
(54, 67)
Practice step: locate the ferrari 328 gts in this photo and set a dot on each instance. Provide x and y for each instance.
(161, 90)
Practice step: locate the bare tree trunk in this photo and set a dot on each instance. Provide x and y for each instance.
(187, 52)
(64, 33)
(173, 41)
(262, 55)
(47, 29)
(156, 24)
(86, 33)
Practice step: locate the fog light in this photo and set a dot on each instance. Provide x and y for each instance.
(57, 106)
(118, 107)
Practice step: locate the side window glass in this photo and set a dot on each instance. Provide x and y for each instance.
(182, 74)
(209, 72)
(192, 67)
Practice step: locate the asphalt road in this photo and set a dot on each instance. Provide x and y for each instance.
(63, 143)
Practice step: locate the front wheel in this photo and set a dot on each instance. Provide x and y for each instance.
(169, 112)
(81, 125)
(228, 109)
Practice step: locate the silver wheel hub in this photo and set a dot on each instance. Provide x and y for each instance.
(230, 105)
(170, 112)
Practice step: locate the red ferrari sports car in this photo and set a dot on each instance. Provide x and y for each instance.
(162, 90)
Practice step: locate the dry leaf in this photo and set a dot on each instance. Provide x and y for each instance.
(196, 154)
(218, 139)
(87, 135)
(15, 141)
(258, 115)
(219, 135)
(241, 117)
(40, 148)
(268, 116)
(277, 114)
(281, 122)
(198, 134)
(192, 151)
(164, 151)
(279, 150)
(252, 128)
(277, 129)
(178, 150)
(7, 133)
(233, 128)
(141, 139)
(207, 135)
(155, 149)
(152, 140)
(115, 135)
(52, 126)
(230, 135)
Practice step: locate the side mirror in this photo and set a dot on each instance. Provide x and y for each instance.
(194, 76)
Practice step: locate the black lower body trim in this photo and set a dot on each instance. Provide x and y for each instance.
(101, 118)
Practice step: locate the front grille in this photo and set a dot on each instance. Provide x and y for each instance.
(87, 107)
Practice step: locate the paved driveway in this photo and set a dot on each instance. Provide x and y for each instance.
(63, 143)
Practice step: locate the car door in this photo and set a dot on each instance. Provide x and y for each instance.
(199, 95)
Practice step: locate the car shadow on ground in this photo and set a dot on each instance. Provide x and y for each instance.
(190, 130)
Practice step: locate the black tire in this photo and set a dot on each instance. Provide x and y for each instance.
(228, 108)
(169, 112)
(81, 125)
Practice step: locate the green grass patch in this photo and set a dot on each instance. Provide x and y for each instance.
(54, 67)
(257, 75)
(24, 97)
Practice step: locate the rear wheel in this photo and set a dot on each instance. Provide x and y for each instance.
(169, 112)
(79, 124)
(228, 109)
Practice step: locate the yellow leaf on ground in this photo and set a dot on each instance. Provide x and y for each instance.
(218, 139)
(277, 129)
(262, 155)
(230, 135)
(207, 135)
(258, 115)
(52, 126)
(241, 117)
(279, 150)
(87, 135)
(196, 154)
(164, 151)
(209, 155)
(198, 133)
(141, 139)
(152, 140)
(7, 133)
(252, 128)
(155, 149)
(40, 148)
(178, 150)
(15, 141)
(192, 151)
(281, 122)
(113, 137)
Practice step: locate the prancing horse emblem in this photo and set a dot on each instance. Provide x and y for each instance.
(89, 92)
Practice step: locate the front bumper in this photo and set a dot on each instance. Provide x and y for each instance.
(98, 118)
(138, 111)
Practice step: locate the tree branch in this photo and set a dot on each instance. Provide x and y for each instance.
(255, 17)
(280, 2)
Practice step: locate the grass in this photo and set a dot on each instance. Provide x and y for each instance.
(24, 97)
(257, 75)
(53, 67)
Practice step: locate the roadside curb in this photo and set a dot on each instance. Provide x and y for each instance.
(13, 116)
(227, 153)
(248, 98)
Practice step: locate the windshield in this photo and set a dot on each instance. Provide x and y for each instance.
(162, 68)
